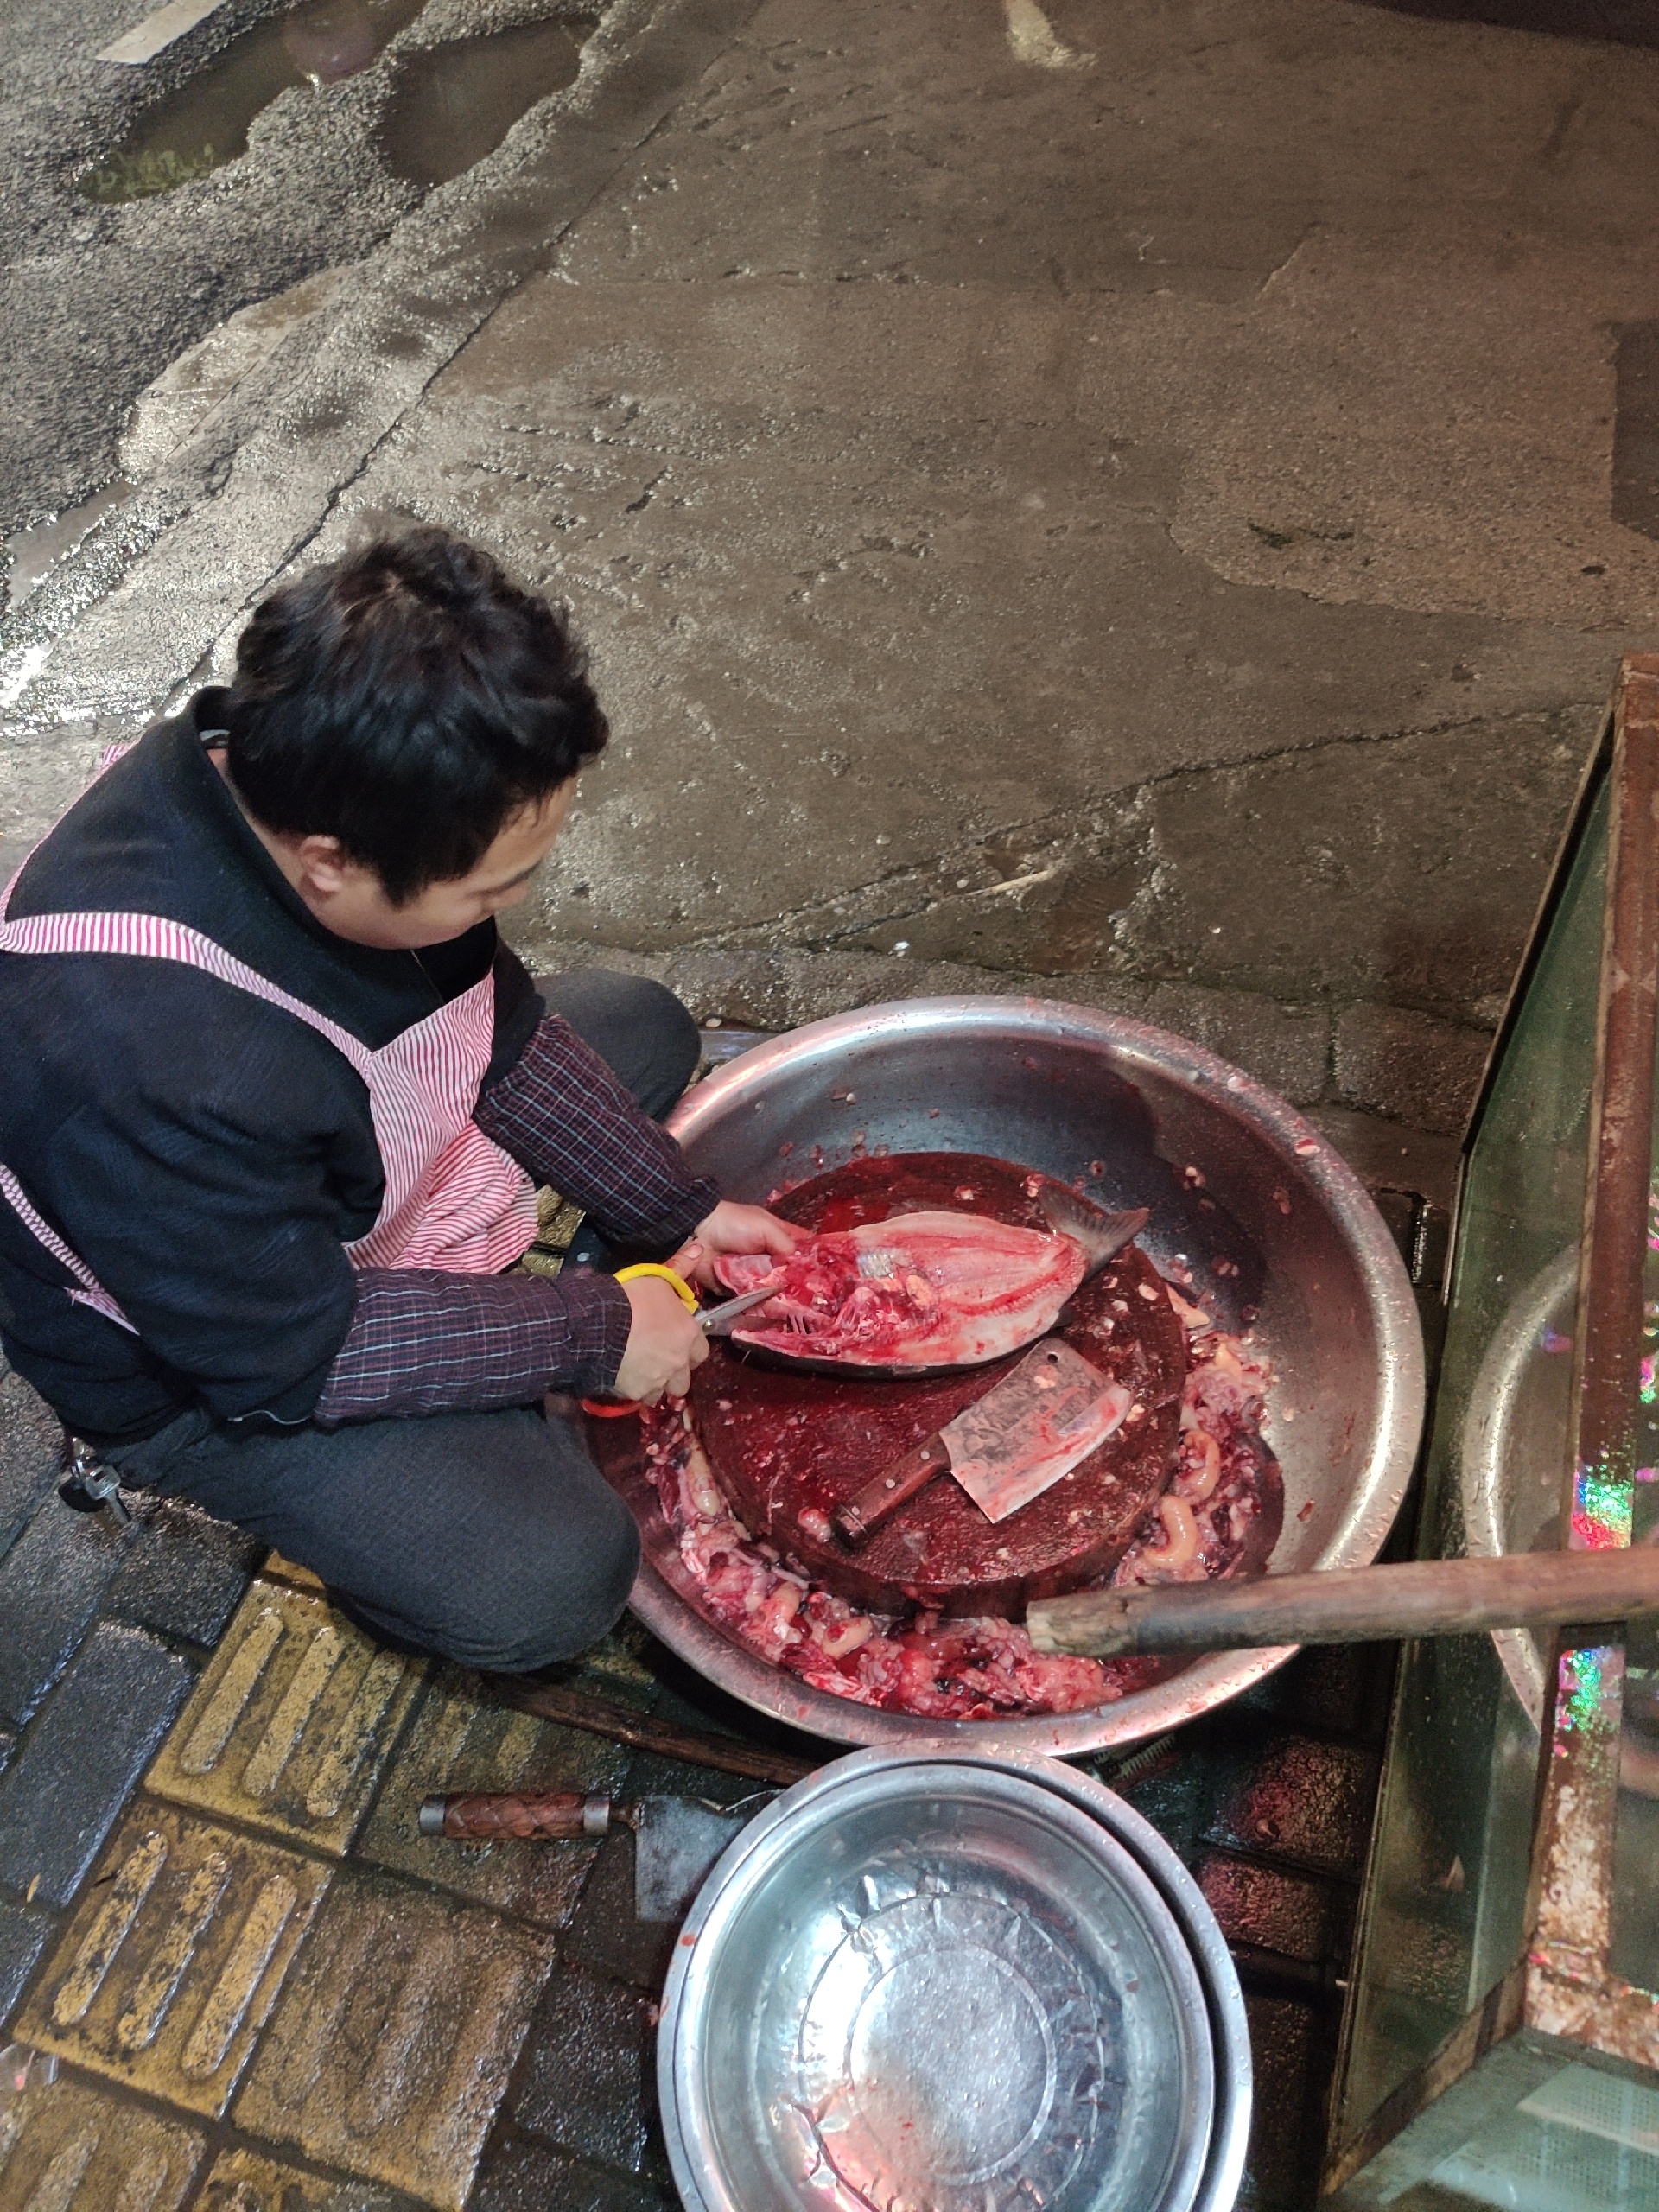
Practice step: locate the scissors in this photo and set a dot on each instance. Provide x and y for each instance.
(713, 1320)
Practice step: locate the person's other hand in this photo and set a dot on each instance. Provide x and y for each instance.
(732, 1230)
(664, 1343)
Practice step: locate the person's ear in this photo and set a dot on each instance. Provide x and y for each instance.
(325, 865)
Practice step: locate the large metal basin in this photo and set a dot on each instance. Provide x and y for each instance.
(982, 1985)
(1060, 1089)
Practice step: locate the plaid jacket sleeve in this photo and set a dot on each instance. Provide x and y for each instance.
(421, 1342)
(568, 1121)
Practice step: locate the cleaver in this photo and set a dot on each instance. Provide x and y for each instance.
(1044, 1417)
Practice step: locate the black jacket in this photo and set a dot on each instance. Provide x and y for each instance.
(204, 1153)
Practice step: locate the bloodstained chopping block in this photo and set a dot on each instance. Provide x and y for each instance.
(790, 1447)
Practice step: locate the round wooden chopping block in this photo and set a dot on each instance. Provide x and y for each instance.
(787, 1447)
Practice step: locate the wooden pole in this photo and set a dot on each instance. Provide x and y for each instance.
(1365, 1604)
(696, 1746)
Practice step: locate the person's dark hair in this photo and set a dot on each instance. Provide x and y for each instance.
(409, 700)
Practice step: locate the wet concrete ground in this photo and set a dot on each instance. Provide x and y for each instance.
(1150, 519)
(1136, 503)
(100, 293)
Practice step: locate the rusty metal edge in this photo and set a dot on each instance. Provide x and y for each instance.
(1570, 1989)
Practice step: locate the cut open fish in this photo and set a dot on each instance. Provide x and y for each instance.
(922, 1293)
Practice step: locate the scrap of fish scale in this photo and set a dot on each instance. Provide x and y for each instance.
(918, 1292)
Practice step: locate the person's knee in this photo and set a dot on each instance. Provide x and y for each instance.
(669, 1046)
(638, 1026)
(567, 1588)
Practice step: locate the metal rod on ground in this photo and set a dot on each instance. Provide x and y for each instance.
(1366, 1604)
(696, 1746)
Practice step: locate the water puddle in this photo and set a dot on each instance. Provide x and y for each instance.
(452, 105)
(204, 124)
(34, 551)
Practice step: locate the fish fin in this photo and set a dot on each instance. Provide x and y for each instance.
(1103, 1236)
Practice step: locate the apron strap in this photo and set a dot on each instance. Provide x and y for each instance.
(143, 937)
(92, 1292)
(152, 936)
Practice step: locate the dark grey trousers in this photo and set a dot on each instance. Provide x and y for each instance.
(488, 1538)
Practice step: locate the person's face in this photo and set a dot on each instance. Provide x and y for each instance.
(347, 898)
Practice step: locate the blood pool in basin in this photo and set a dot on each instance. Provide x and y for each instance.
(787, 1447)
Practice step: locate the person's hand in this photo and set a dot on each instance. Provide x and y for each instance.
(664, 1343)
(732, 1230)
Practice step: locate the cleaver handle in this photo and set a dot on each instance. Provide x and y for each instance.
(490, 1816)
(864, 1512)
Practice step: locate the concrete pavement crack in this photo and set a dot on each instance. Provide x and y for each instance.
(1124, 801)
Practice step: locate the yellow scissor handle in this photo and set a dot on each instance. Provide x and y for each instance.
(687, 1296)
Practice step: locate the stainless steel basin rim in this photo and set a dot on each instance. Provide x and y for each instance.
(1069, 1092)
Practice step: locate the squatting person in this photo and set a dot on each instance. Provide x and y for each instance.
(277, 1100)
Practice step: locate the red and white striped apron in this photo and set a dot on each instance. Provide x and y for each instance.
(452, 1199)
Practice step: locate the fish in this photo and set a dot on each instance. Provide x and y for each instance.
(924, 1293)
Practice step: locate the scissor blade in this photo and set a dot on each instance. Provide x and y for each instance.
(717, 1320)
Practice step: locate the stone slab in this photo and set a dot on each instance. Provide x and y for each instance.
(291, 1723)
(30, 1441)
(1287, 1047)
(245, 2180)
(1408, 1065)
(1294, 1798)
(1279, 2169)
(174, 1960)
(92, 1740)
(462, 1738)
(1297, 1916)
(24, 1935)
(587, 2081)
(621, 1667)
(522, 2177)
(68, 2147)
(605, 1935)
(1339, 1689)
(51, 1581)
(1391, 1155)
(185, 1574)
(392, 2049)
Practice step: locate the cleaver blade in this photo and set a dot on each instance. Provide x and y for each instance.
(1044, 1418)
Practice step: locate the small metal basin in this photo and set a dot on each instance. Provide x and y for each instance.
(1232, 1173)
(922, 1984)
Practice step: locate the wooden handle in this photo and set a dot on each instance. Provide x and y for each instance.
(1365, 1605)
(861, 1516)
(487, 1815)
